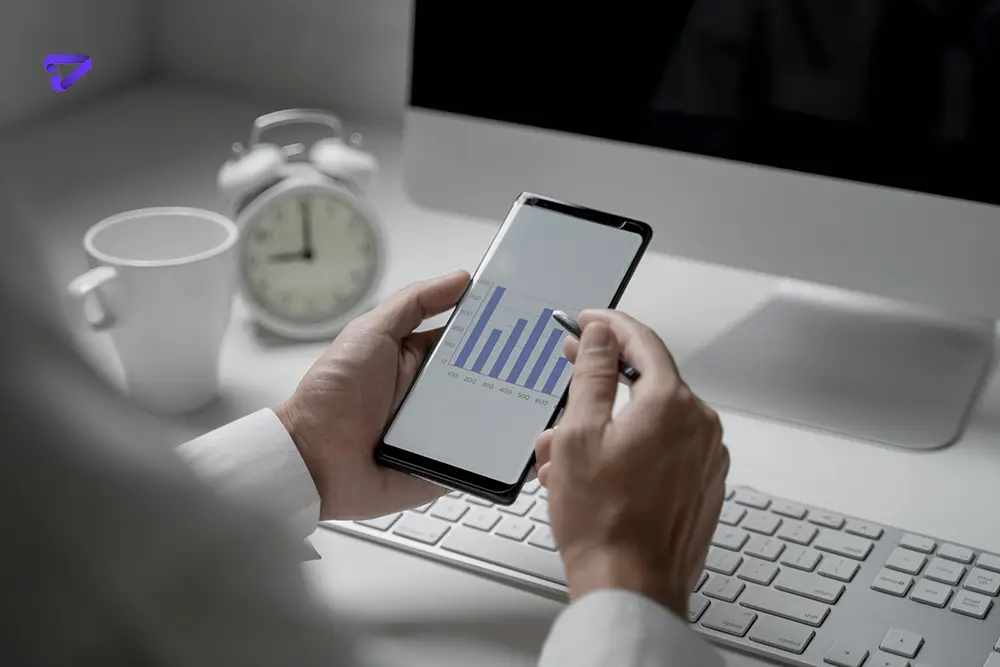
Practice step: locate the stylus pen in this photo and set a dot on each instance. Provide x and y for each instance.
(570, 324)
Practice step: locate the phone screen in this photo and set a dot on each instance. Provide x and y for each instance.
(498, 373)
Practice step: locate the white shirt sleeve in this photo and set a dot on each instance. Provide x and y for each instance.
(621, 628)
(254, 460)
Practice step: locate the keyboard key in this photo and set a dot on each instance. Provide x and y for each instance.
(801, 558)
(883, 660)
(982, 581)
(722, 588)
(543, 493)
(454, 494)
(902, 643)
(722, 561)
(730, 538)
(478, 501)
(893, 583)
(906, 561)
(505, 553)
(956, 553)
(531, 487)
(697, 604)
(701, 581)
(520, 506)
(785, 605)
(514, 529)
(768, 548)
(422, 508)
(971, 604)
(761, 522)
(917, 543)
(542, 537)
(732, 514)
(798, 532)
(421, 528)
(841, 569)
(811, 586)
(729, 618)
(540, 512)
(382, 522)
(789, 509)
(826, 519)
(842, 544)
(872, 531)
(752, 498)
(783, 635)
(931, 593)
(989, 562)
(845, 655)
(730, 491)
(945, 571)
(449, 509)
(758, 571)
(481, 518)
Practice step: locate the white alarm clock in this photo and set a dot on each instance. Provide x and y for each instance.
(311, 254)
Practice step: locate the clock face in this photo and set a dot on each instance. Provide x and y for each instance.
(309, 256)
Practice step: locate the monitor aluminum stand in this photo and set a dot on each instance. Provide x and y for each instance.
(856, 367)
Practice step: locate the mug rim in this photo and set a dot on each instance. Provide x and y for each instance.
(232, 235)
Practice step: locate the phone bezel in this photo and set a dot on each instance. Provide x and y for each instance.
(458, 479)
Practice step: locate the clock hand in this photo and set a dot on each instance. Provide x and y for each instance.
(286, 257)
(307, 242)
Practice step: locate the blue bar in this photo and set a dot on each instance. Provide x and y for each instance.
(487, 350)
(554, 376)
(526, 351)
(508, 348)
(477, 331)
(543, 358)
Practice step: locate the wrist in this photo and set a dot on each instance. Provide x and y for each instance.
(624, 568)
(291, 419)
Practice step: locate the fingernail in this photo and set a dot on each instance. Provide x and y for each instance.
(596, 336)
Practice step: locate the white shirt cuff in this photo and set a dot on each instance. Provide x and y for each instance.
(621, 628)
(254, 460)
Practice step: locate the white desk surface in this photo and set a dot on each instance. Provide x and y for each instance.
(163, 145)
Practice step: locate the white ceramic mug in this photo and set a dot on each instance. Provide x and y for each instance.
(161, 282)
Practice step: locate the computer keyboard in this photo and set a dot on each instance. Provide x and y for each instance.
(797, 584)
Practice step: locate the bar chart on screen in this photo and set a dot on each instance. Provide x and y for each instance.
(505, 339)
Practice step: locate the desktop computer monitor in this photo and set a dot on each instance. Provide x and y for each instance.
(849, 144)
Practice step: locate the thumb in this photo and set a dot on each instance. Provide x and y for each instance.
(405, 310)
(595, 377)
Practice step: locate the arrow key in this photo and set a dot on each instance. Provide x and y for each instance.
(902, 643)
(846, 655)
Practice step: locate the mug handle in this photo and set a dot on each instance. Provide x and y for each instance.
(82, 286)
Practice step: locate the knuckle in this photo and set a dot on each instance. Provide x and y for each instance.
(726, 459)
(684, 399)
(714, 423)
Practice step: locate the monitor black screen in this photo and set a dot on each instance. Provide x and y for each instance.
(901, 93)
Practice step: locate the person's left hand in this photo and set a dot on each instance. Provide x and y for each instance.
(339, 410)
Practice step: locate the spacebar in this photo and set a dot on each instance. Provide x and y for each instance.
(505, 553)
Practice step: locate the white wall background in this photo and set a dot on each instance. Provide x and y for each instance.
(351, 56)
(112, 32)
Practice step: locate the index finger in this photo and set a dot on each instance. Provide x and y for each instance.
(640, 348)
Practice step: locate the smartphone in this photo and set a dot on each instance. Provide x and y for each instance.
(497, 377)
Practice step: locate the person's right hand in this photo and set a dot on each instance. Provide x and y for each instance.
(634, 499)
